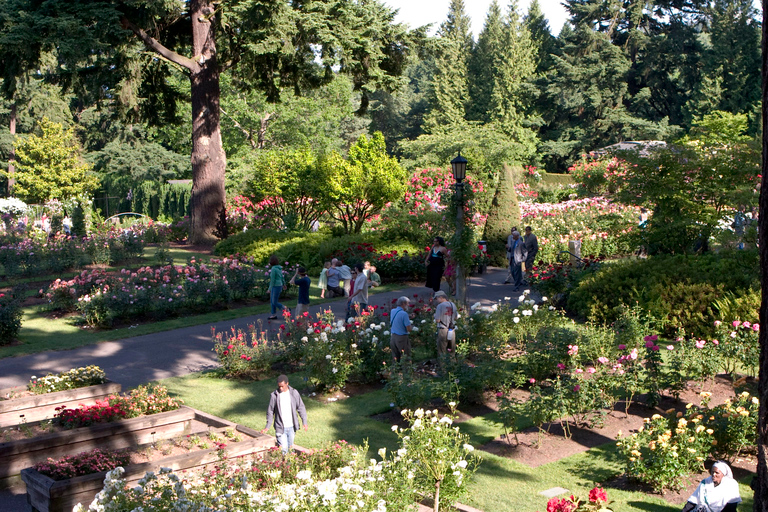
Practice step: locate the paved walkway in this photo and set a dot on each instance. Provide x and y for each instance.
(138, 360)
(134, 361)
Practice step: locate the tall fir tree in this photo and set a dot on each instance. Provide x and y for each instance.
(513, 92)
(449, 91)
(541, 35)
(483, 62)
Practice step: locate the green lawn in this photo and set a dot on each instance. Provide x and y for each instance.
(39, 333)
(500, 484)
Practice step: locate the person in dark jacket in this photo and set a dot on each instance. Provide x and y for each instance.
(284, 404)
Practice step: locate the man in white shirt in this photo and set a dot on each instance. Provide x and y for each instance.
(345, 273)
(445, 318)
(359, 298)
(284, 403)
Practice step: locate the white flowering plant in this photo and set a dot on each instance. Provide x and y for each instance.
(360, 485)
(71, 379)
(438, 455)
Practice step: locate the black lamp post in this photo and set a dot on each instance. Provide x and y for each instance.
(459, 169)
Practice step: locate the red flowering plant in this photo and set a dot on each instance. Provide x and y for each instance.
(599, 174)
(142, 401)
(245, 353)
(597, 501)
(85, 463)
(423, 213)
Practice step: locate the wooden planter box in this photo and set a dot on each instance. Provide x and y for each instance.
(17, 455)
(47, 495)
(29, 409)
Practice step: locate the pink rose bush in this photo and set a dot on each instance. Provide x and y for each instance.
(148, 292)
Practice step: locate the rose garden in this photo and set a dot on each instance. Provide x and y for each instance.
(211, 211)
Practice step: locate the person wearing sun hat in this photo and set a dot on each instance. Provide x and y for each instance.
(716, 493)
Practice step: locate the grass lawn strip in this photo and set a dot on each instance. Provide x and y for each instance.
(500, 483)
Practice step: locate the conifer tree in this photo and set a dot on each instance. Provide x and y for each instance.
(541, 35)
(513, 90)
(482, 64)
(504, 214)
(449, 89)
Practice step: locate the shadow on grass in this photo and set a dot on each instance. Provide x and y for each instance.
(653, 507)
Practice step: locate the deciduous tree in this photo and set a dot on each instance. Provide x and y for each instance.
(49, 166)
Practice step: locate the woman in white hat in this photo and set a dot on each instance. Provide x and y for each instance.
(716, 493)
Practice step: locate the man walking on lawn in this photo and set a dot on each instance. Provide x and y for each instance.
(284, 403)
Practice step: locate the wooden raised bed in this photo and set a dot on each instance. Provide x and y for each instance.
(115, 435)
(47, 495)
(29, 409)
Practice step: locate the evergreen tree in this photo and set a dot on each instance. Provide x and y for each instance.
(585, 96)
(733, 55)
(449, 93)
(483, 62)
(504, 214)
(541, 35)
(514, 72)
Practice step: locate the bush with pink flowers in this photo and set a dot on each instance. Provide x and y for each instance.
(159, 292)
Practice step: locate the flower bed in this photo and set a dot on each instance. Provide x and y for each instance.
(160, 292)
(38, 254)
(71, 379)
(601, 226)
(28, 409)
(434, 460)
(46, 494)
(20, 454)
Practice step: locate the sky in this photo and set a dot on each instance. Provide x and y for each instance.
(422, 12)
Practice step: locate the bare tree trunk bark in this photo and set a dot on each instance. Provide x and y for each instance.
(761, 482)
(208, 158)
(12, 156)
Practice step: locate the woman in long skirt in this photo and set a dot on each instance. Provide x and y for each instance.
(436, 263)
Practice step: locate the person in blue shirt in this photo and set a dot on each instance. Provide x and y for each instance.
(303, 282)
(400, 325)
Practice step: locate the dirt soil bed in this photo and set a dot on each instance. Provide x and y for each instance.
(535, 449)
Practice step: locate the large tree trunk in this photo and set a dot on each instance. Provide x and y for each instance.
(761, 487)
(208, 158)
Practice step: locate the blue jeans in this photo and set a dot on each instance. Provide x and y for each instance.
(517, 273)
(285, 440)
(274, 297)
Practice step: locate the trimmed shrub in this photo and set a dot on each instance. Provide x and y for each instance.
(10, 315)
(504, 213)
(679, 292)
(395, 260)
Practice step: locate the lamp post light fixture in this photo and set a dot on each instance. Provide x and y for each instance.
(459, 169)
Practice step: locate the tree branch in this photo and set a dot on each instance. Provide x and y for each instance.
(247, 133)
(153, 43)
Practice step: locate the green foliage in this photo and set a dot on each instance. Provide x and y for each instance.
(394, 259)
(161, 200)
(676, 291)
(126, 163)
(691, 186)
(448, 92)
(362, 184)
(504, 213)
(485, 147)
(665, 450)
(10, 314)
(288, 186)
(49, 166)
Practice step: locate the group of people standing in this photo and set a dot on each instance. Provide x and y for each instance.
(337, 279)
(520, 251)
